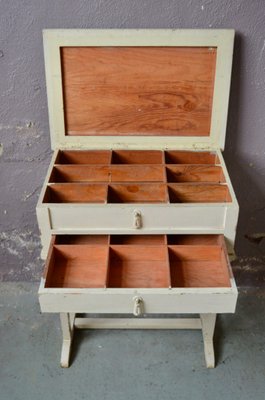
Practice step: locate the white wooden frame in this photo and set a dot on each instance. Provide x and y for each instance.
(205, 322)
(222, 39)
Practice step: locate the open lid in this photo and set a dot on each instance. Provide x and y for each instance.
(138, 88)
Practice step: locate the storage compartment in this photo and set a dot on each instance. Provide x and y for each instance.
(83, 157)
(194, 173)
(79, 173)
(137, 173)
(137, 157)
(76, 193)
(191, 157)
(198, 193)
(137, 261)
(198, 266)
(77, 266)
(136, 177)
(138, 267)
(138, 193)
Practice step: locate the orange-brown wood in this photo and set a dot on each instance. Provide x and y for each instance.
(135, 261)
(194, 173)
(137, 173)
(79, 266)
(83, 157)
(198, 267)
(197, 252)
(198, 193)
(137, 157)
(104, 173)
(191, 157)
(137, 193)
(138, 267)
(75, 193)
(80, 173)
(138, 90)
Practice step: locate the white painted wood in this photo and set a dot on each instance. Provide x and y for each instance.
(47, 178)
(222, 39)
(208, 325)
(67, 325)
(120, 218)
(44, 223)
(43, 212)
(156, 301)
(138, 323)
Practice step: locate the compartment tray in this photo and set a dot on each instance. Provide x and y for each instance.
(137, 261)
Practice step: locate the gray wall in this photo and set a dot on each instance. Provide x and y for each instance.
(24, 130)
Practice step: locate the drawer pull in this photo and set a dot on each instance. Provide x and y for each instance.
(138, 306)
(137, 221)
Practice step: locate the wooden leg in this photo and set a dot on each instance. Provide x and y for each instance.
(208, 325)
(67, 324)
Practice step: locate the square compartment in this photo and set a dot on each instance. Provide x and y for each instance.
(138, 267)
(191, 157)
(77, 266)
(137, 157)
(75, 193)
(137, 193)
(198, 193)
(83, 157)
(198, 267)
(194, 173)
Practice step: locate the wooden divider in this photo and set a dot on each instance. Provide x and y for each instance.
(137, 261)
(136, 176)
(76, 193)
(137, 193)
(137, 157)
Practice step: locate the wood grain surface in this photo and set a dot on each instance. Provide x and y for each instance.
(138, 90)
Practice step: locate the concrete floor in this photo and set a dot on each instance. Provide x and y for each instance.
(128, 364)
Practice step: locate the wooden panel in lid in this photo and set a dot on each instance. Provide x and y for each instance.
(138, 88)
(160, 91)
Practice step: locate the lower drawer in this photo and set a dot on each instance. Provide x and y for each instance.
(138, 274)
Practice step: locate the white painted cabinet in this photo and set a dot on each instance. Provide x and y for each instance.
(137, 213)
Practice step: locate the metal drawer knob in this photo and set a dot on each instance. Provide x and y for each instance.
(138, 306)
(137, 220)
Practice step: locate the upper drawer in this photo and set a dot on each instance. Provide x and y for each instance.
(138, 176)
(165, 274)
(118, 191)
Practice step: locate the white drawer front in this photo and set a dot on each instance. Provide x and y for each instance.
(157, 218)
(170, 302)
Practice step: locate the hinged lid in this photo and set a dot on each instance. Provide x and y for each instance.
(138, 88)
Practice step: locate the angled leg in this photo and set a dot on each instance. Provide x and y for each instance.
(208, 325)
(67, 324)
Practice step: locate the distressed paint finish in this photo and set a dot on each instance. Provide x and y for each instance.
(24, 132)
